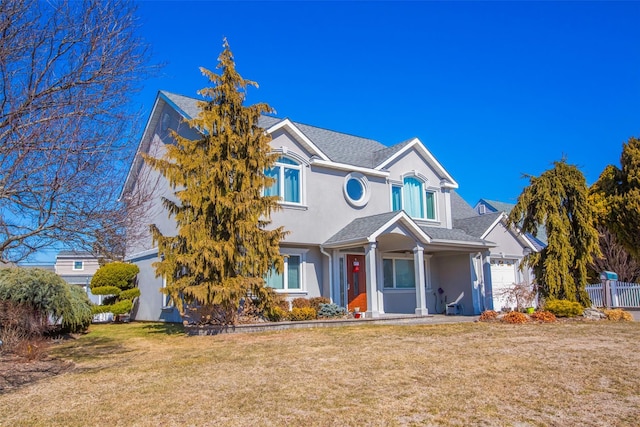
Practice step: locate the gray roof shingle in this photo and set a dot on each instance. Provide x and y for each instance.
(460, 208)
(337, 146)
(451, 234)
(361, 228)
(476, 225)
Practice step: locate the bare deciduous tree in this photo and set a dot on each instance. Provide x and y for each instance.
(67, 69)
(615, 258)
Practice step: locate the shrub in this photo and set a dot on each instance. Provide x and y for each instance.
(18, 326)
(121, 307)
(276, 314)
(303, 313)
(563, 308)
(331, 311)
(618, 314)
(543, 316)
(116, 279)
(118, 274)
(47, 295)
(488, 315)
(515, 317)
(106, 290)
(316, 301)
(300, 303)
(129, 294)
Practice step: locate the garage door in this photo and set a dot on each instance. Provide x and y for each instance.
(503, 276)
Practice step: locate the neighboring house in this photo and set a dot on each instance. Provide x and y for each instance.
(372, 226)
(77, 268)
(506, 257)
(485, 206)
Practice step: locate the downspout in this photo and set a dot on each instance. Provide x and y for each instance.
(330, 272)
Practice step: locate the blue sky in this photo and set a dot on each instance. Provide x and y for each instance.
(493, 89)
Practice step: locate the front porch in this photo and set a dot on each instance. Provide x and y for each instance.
(395, 266)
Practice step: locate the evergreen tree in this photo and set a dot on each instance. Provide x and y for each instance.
(617, 196)
(223, 249)
(558, 199)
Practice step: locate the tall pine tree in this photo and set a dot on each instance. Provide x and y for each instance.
(617, 194)
(223, 248)
(558, 199)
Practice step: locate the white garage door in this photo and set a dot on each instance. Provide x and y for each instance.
(503, 276)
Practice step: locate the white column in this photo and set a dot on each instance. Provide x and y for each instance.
(372, 280)
(427, 279)
(421, 299)
(380, 287)
(488, 282)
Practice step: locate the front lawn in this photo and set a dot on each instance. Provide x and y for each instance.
(583, 373)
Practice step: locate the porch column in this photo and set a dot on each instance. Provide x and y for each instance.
(372, 280)
(421, 299)
(488, 282)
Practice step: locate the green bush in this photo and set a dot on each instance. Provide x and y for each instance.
(331, 311)
(98, 309)
(316, 301)
(80, 315)
(300, 303)
(121, 307)
(116, 279)
(106, 290)
(129, 294)
(48, 296)
(564, 308)
(119, 274)
(303, 313)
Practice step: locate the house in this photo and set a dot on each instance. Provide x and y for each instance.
(505, 258)
(370, 226)
(485, 206)
(77, 268)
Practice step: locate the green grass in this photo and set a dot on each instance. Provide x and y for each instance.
(146, 374)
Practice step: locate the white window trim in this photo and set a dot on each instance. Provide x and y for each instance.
(435, 192)
(302, 253)
(394, 258)
(425, 189)
(167, 302)
(78, 269)
(283, 152)
(366, 190)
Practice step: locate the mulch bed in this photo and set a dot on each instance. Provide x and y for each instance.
(16, 372)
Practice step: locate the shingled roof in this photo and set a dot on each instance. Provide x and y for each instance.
(337, 146)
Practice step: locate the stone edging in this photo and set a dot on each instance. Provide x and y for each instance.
(327, 323)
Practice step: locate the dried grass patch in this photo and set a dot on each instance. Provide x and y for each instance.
(460, 374)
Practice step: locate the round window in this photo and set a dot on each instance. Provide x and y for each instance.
(356, 189)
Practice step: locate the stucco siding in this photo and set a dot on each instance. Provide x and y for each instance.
(507, 244)
(454, 277)
(400, 301)
(413, 161)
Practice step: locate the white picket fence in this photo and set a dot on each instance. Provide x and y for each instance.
(623, 294)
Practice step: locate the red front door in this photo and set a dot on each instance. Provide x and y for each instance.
(356, 282)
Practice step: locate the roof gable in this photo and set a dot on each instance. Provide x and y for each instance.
(416, 145)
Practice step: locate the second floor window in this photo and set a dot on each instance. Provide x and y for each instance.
(286, 173)
(414, 199)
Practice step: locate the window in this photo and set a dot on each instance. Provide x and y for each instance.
(287, 185)
(356, 189)
(78, 265)
(291, 279)
(414, 199)
(398, 273)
